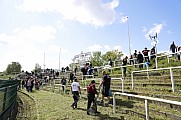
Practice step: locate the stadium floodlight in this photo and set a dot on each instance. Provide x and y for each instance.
(155, 41)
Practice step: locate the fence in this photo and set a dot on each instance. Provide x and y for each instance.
(168, 55)
(169, 68)
(8, 93)
(146, 101)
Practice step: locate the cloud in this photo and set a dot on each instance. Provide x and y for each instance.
(119, 48)
(93, 12)
(156, 29)
(107, 47)
(57, 49)
(23, 46)
(103, 48)
(94, 47)
(144, 29)
(169, 32)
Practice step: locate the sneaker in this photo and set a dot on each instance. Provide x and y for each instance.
(72, 106)
(88, 113)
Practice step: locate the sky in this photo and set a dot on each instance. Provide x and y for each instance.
(42, 31)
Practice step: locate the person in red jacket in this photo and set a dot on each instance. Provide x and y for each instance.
(91, 91)
(145, 53)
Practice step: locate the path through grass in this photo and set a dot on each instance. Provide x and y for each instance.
(52, 106)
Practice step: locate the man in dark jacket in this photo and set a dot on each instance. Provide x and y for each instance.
(105, 84)
(173, 47)
(140, 59)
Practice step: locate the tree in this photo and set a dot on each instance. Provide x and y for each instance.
(14, 67)
(96, 59)
(114, 55)
(37, 68)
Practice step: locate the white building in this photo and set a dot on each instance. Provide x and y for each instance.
(82, 58)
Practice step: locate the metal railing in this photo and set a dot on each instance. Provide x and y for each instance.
(146, 101)
(169, 68)
(8, 93)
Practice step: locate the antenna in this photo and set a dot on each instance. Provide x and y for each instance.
(150, 37)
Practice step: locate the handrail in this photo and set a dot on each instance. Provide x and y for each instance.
(169, 68)
(146, 101)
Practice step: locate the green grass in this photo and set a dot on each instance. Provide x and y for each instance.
(52, 106)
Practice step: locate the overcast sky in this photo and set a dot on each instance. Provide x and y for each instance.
(31, 28)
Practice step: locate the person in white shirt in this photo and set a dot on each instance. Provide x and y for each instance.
(75, 88)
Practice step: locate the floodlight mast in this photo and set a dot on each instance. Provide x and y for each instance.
(129, 36)
(154, 38)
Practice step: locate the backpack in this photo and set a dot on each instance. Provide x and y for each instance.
(89, 88)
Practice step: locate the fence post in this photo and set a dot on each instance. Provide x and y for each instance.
(114, 104)
(122, 85)
(147, 71)
(59, 89)
(172, 80)
(132, 80)
(156, 62)
(168, 60)
(147, 109)
(122, 72)
(4, 101)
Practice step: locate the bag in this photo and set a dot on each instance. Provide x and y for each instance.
(110, 93)
(89, 88)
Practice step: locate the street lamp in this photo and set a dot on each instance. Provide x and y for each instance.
(154, 38)
(129, 36)
(59, 59)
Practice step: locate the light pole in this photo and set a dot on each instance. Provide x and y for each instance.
(44, 61)
(154, 38)
(59, 58)
(129, 36)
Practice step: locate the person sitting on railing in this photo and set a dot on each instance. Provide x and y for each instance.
(145, 53)
(140, 59)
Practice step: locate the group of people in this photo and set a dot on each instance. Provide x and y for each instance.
(92, 91)
(174, 49)
(30, 80)
(87, 70)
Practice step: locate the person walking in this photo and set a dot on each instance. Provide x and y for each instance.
(105, 83)
(75, 88)
(91, 91)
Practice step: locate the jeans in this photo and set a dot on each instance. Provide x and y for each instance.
(76, 98)
(90, 100)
